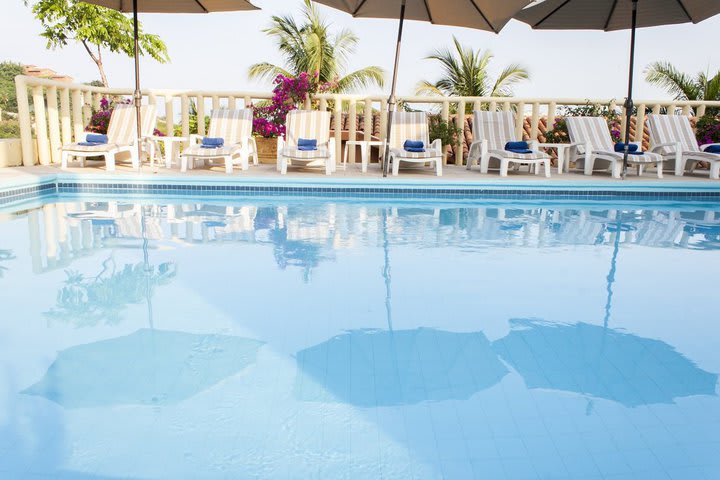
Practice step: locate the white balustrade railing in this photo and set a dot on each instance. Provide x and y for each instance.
(60, 111)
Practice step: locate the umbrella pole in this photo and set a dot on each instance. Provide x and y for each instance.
(137, 96)
(386, 271)
(613, 269)
(628, 101)
(392, 100)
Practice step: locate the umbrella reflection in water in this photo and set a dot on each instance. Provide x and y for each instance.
(372, 367)
(147, 367)
(599, 361)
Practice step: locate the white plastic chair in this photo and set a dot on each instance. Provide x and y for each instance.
(672, 137)
(234, 126)
(306, 124)
(121, 138)
(413, 126)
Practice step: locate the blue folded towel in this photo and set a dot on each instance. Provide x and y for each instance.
(620, 147)
(516, 146)
(414, 150)
(713, 149)
(212, 142)
(519, 150)
(96, 138)
(414, 144)
(307, 144)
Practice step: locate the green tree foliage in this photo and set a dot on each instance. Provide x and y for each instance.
(96, 28)
(683, 86)
(311, 47)
(465, 73)
(8, 72)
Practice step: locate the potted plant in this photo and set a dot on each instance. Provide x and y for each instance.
(269, 118)
(447, 132)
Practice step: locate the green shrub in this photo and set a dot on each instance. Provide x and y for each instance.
(447, 132)
(9, 129)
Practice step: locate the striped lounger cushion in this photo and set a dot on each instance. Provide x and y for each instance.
(676, 129)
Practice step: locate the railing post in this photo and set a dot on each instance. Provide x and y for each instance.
(656, 109)
(460, 143)
(506, 106)
(185, 115)
(383, 121)
(493, 106)
(477, 105)
(552, 109)
(169, 116)
(368, 128)
(28, 150)
(338, 127)
(87, 107)
(54, 124)
(323, 105)
(352, 129)
(446, 118)
(247, 100)
(200, 109)
(232, 104)
(41, 131)
(534, 122)
(96, 97)
(215, 102)
(640, 123)
(686, 110)
(65, 120)
(671, 109)
(701, 111)
(519, 121)
(77, 115)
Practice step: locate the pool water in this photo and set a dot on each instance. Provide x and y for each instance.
(286, 338)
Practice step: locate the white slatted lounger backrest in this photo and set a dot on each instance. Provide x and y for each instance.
(307, 124)
(121, 130)
(232, 125)
(497, 128)
(672, 129)
(409, 126)
(593, 130)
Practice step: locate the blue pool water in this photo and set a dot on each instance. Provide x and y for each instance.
(288, 338)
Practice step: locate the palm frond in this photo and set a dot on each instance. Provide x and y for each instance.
(363, 78)
(678, 84)
(266, 71)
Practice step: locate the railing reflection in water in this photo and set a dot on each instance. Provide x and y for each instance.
(305, 234)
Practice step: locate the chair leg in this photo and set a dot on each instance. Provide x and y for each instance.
(504, 167)
(547, 168)
(438, 168)
(183, 163)
(283, 166)
(110, 162)
(64, 158)
(660, 169)
(616, 168)
(715, 170)
(228, 164)
(484, 163)
(589, 163)
(395, 166)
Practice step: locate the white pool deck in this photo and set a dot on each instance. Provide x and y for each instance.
(453, 177)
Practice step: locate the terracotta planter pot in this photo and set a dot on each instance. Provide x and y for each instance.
(267, 149)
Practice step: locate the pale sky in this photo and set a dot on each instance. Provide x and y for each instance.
(213, 52)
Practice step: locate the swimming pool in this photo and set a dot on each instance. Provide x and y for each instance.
(301, 338)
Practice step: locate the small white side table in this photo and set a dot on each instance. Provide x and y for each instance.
(561, 149)
(172, 154)
(365, 146)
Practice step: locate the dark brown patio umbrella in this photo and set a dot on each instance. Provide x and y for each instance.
(165, 6)
(609, 15)
(490, 15)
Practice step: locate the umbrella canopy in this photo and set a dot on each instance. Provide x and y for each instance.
(176, 6)
(612, 15)
(369, 368)
(601, 362)
(164, 6)
(617, 15)
(148, 367)
(489, 15)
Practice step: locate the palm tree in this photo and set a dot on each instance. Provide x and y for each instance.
(311, 47)
(683, 86)
(465, 73)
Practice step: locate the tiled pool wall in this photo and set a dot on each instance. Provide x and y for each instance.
(391, 189)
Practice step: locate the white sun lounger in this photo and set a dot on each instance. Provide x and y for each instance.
(234, 126)
(121, 138)
(590, 137)
(413, 126)
(492, 130)
(672, 137)
(309, 125)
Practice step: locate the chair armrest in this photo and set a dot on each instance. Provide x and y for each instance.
(195, 139)
(704, 147)
(437, 145)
